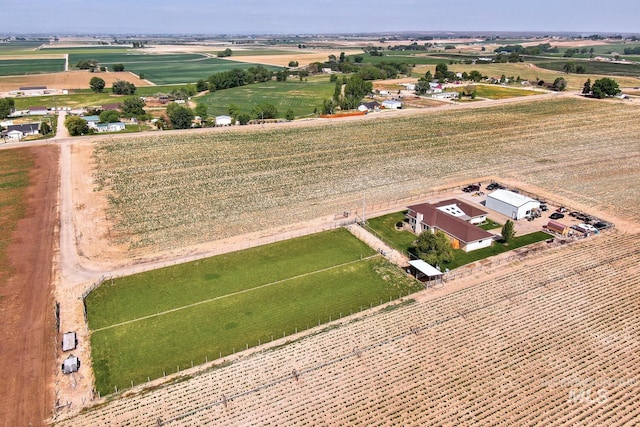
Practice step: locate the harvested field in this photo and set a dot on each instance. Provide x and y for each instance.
(553, 343)
(188, 189)
(66, 80)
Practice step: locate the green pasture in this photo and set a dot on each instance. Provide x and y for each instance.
(301, 97)
(20, 47)
(18, 67)
(239, 299)
(384, 227)
(501, 92)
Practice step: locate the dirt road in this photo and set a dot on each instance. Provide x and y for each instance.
(27, 306)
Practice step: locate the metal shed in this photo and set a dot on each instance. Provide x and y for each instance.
(69, 341)
(71, 364)
(425, 272)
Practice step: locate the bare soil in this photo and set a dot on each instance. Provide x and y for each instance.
(67, 80)
(27, 307)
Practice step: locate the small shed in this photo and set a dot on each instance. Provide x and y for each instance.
(425, 272)
(557, 227)
(71, 364)
(69, 341)
(223, 120)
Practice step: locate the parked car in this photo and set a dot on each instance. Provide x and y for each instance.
(562, 209)
(495, 186)
(544, 208)
(471, 188)
(556, 215)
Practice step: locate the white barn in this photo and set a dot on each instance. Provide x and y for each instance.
(223, 121)
(513, 205)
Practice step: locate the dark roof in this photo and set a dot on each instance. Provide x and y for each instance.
(451, 225)
(468, 209)
(106, 107)
(32, 87)
(25, 128)
(371, 105)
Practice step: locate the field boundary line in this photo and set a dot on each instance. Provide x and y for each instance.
(150, 316)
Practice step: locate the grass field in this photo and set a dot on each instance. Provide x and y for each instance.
(301, 97)
(226, 302)
(500, 92)
(17, 67)
(14, 179)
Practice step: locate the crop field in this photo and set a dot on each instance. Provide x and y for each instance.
(530, 72)
(186, 189)
(594, 67)
(150, 323)
(555, 344)
(16, 67)
(301, 97)
(14, 179)
(163, 68)
(501, 92)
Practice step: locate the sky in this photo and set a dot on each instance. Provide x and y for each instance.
(315, 17)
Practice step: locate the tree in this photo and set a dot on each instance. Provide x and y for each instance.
(586, 89)
(569, 67)
(96, 84)
(233, 110)
(329, 106)
(434, 248)
(342, 57)
(293, 64)
(281, 76)
(76, 125)
(358, 59)
(263, 111)
(117, 67)
(179, 116)
(133, 106)
(605, 87)
(109, 116)
(201, 110)
(202, 85)
(87, 64)
(7, 106)
(289, 115)
(559, 84)
(121, 87)
(225, 53)
(508, 231)
(441, 71)
(45, 128)
(580, 69)
(244, 118)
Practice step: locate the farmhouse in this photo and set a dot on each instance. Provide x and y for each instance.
(108, 127)
(445, 95)
(17, 132)
(223, 121)
(392, 104)
(513, 205)
(38, 111)
(453, 217)
(369, 106)
(92, 121)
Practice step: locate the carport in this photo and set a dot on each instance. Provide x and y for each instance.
(425, 272)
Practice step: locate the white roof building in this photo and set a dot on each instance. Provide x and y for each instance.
(513, 205)
(223, 120)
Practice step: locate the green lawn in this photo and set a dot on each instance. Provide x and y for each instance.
(301, 97)
(593, 67)
(502, 92)
(311, 290)
(490, 224)
(18, 67)
(384, 228)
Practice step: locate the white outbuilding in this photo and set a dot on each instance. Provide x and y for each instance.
(223, 120)
(513, 205)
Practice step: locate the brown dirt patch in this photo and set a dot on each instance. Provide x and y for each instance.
(67, 80)
(28, 323)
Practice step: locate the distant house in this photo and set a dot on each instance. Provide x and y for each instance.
(392, 104)
(453, 217)
(513, 205)
(223, 120)
(92, 121)
(109, 127)
(409, 86)
(445, 95)
(18, 132)
(384, 92)
(369, 106)
(38, 111)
